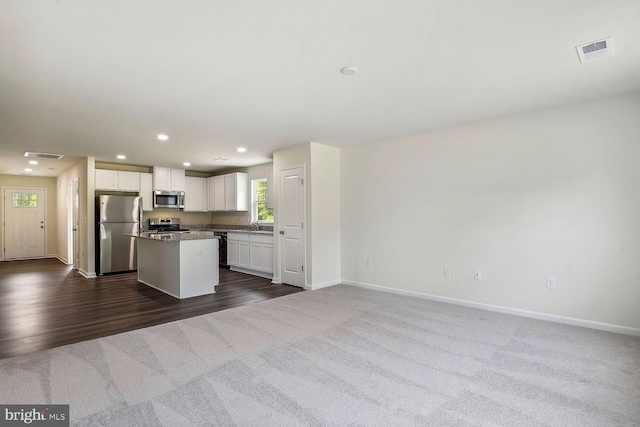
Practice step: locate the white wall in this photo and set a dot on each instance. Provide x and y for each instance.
(83, 171)
(550, 193)
(325, 215)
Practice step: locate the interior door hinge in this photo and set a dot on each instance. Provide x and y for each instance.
(302, 182)
(302, 225)
(303, 268)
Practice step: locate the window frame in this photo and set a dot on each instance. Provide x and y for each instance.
(255, 201)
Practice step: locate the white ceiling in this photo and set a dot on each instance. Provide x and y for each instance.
(103, 77)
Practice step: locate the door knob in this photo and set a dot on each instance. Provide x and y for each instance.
(282, 232)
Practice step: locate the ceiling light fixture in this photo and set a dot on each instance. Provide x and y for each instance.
(241, 150)
(163, 137)
(33, 162)
(186, 164)
(349, 71)
(121, 156)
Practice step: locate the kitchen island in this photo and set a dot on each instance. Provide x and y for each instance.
(183, 265)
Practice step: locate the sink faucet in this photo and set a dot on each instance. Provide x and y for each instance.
(255, 226)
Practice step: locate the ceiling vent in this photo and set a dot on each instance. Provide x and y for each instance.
(43, 155)
(595, 50)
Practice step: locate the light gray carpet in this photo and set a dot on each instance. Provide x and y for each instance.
(340, 356)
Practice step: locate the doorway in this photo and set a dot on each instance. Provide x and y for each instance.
(24, 223)
(73, 199)
(291, 218)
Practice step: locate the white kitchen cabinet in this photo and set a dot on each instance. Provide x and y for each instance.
(228, 192)
(219, 190)
(106, 180)
(234, 242)
(168, 179)
(244, 260)
(211, 193)
(261, 253)
(251, 253)
(195, 194)
(146, 191)
(232, 252)
(178, 182)
(236, 196)
(128, 181)
(161, 178)
(113, 180)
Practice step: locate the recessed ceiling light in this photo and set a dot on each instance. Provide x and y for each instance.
(241, 149)
(28, 170)
(186, 164)
(121, 156)
(163, 137)
(33, 162)
(348, 71)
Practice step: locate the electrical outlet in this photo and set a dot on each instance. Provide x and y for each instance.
(369, 262)
(447, 272)
(477, 275)
(551, 282)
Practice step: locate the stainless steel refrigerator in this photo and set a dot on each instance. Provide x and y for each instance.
(115, 217)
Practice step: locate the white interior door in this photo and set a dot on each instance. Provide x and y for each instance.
(24, 223)
(291, 217)
(76, 224)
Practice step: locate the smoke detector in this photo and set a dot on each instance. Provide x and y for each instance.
(43, 155)
(595, 50)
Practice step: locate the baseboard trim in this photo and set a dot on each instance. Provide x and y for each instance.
(322, 285)
(608, 327)
(87, 275)
(252, 272)
(59, 258)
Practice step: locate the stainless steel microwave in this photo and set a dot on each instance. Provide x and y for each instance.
(168, 199)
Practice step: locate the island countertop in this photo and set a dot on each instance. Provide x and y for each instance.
(185, 267)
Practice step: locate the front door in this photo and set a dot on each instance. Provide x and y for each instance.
(291, 219)
(24, 223)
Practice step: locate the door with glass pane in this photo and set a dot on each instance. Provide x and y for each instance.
(24, 223)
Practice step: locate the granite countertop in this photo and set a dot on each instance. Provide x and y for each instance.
(175, 237)
(270, 233)
(235, 230)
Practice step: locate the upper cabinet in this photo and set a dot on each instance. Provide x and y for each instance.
(128, 181)
(236, 196)
(168, 179)
(146, 190)
(117, 180)
(106, 180)
(228, 192)
(139, 182)
(195, 194)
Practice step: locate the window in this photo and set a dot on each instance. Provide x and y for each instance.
(259, 211)
(25, 200)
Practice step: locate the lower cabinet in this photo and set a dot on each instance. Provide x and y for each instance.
(251, 253)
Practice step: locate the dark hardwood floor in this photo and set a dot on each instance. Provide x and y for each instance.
(45, 303)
